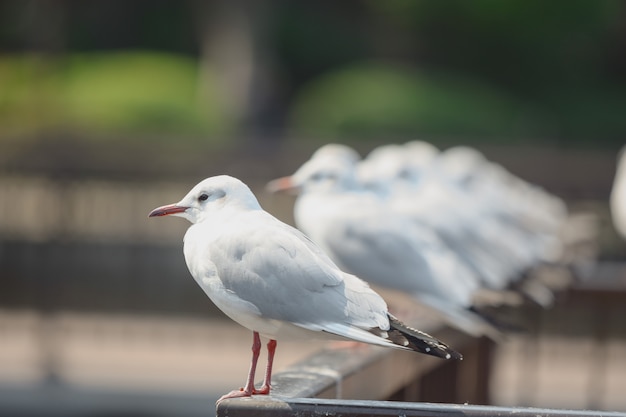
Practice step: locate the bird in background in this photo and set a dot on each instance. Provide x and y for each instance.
(354, 226)
(447, 227)
(555, 245)
(618, 195)
(272, 279)
(501, 225)
(424, 193)
(456, 195)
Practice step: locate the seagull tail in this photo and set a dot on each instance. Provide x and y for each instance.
(408, 337)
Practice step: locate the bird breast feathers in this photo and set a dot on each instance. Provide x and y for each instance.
(268, 264)
(253, 260)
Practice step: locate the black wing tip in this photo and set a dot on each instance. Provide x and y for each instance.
(439, 350)
(453, 354)
(419, 341)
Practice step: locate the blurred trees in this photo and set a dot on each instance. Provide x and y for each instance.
(483, 70)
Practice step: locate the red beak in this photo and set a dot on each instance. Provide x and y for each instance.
(283, 184)
(167, 210)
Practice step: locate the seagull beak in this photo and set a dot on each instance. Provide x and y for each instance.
(167, 210)
(284, 184)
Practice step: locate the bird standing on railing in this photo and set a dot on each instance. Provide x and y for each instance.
(472, 205)
(415, 186)
(357, 229)
(451, 229)
(270, 278)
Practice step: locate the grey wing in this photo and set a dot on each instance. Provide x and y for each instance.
(381, 253)
(289, 278)
(402, 256)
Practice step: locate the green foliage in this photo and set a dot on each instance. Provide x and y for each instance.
(26, 87)
(372, 99)
(593, 114)
(486, 68)
(546, 70)
(111, 92)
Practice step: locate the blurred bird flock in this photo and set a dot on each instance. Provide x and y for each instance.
(463, 153)
(442, 227)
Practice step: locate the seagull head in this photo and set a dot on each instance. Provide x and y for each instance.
(462, 166)
(208, 197)
(330, 168)
(391, 164)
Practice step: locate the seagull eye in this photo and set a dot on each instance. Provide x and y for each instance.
(317, 177)
(323, 176)
(405, 174)
(203, 197)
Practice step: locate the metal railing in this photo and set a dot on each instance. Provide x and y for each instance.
(305, 407)
(320, 386)
(380, 382)
(367, 372)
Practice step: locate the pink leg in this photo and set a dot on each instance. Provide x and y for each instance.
(248, 390)
(267, 382)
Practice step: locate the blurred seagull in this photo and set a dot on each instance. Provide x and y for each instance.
(406, 177)
(389, 166)
(354, 226)
(501, 226)
(535, 223)
(618, 195)
(273, 280)
(505, 196)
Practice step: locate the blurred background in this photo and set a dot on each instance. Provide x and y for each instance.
(109, 109)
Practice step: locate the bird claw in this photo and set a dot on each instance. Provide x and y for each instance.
(264, 390)
(242, 392)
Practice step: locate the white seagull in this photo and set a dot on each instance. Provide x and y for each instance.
(355, 227)
(270, 278)
(618, 195)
